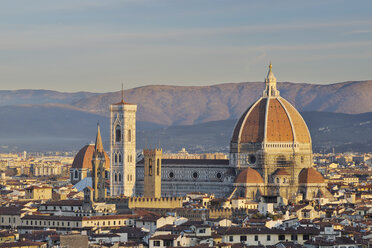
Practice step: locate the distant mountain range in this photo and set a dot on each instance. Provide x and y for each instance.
(198, 118)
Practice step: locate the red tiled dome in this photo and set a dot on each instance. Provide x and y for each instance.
(281, 172)
(278, 117)
(310, 175)
(249, 175)
(83, 159)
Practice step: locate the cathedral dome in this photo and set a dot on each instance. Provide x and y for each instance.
(271, 119)
(310, 175)
(249, 175)
(83, 159)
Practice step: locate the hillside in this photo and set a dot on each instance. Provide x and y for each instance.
(344, 132)
(175, 105)
(55, 127)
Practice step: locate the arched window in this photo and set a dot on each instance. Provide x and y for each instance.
(117, 133)
(115, 177)
(150, 167)
(277, 180)
(119, 177)
(157, 167)
(129, 135)
(119, 157)
(76, 174)
(116, 158)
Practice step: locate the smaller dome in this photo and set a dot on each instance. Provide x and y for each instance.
(249, 175)
(310, 175)
(281, 172)
(83, 159)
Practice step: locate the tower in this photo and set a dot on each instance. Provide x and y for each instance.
(122, 148)
(152, 177)
(98, 170)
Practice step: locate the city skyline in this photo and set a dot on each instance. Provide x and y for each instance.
(96, 46)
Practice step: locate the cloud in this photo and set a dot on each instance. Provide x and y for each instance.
(64, 36)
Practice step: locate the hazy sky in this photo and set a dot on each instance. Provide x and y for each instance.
(91, 45)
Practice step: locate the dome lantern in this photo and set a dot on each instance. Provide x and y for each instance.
(270, 82)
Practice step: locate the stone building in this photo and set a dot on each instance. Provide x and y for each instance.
(271, 147)
(270, 156)
(98, 175)
(82, 165)
(122, 148)
(152, 173)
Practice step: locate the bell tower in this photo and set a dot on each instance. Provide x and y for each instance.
(98, 169)
(122, 148)
(152, 177)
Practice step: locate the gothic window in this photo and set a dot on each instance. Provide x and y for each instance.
(131, 178)
(277, 180)
(158, 167)
(129, 135)
(117, 133)
(128, 177)
(119, 157)
(115, 177)
(150, 167)
(119, 177)
(116, 158)
(76, 174)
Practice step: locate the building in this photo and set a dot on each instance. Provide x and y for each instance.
(82, 165)
(270, 155)
(152, 173)
(122, 148)
(38, 193)
(98, 164)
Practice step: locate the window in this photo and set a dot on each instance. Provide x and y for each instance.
(115, 177)
(119, 177)
(117, 133)
(119, 157)
(306, 237)
(281, 237)
(268, 238)
(195, 175)
(294, 237)
(243, 238)
(76, 174)
(116, 158)
(129, 135)
(255, 237)
(158, 167)
(231, 238)
(150, 167)
(156, 243)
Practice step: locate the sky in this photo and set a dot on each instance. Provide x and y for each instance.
(96, 45)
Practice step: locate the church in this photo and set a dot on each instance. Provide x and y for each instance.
(270, 155)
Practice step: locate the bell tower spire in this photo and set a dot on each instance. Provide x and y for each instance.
(270, 81)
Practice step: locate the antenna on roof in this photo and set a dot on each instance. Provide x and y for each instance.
(122, 92)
